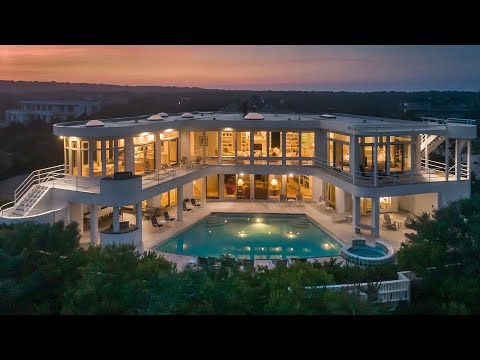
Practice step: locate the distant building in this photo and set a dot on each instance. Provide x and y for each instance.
(51, 110)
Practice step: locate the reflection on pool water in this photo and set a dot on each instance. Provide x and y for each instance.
(253, 236)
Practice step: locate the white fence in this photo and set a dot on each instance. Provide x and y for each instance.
(392, 291)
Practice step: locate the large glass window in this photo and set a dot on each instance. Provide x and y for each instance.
(261, 187)
(292, 144)
(339, 155)
(121, 154)
(230, 186)
(308, 143)
(292, 186)
(260, 144)
(84, 159)
(228, 143)
(196, 143)
(197, 188)
(274, 186)
(212, 187)
(211, 143)
(306, 186)
(336, 136)
(74, 150)
(275, 143)
(110, 158)
(243, 186)
(243, 143)
(144, 156)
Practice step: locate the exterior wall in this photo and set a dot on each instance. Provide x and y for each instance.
(76, 214)
(343, 201)
(417, 204)
(46, 218)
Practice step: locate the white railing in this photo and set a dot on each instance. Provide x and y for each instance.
(155, 177)
(387, 291)
(78, 183)
(6, 206)
(449, 120)
(38, 177)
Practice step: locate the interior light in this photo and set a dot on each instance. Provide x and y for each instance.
(168, 130)
(290, 175)
(274, 182)
(61, 137)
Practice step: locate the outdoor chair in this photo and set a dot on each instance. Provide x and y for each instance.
(167, 216)
(153, 219)
(194, 202)
(387, 222)
(185, 207)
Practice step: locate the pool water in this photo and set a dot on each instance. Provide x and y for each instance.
(366, 251)
(253, 236)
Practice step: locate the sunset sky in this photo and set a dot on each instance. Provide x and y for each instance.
(262, 67)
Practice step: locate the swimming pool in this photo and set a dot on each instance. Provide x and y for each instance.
(253, 236)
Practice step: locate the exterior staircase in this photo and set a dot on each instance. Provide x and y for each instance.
(430, 141)
(32, 190)
(29, 200)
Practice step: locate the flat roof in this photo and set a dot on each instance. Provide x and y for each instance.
(60, 102)
(345, 123)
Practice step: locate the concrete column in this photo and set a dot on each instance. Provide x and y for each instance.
(129, 163)
(220, 147)
(321, 143)
(469, 151)
(115, 155)
(158, 151)
(65, 153)
(426, 151)
(184, 139)
(418, 154)
(413, 147)
(104, 158)
(69, 154)
(116, 219)
(180, 203)
(203, 191)
(188, 190)
(91, 153)
(387, 156)
(447, 157)
(375, 221)
(204, 147)
(339, 200)
(155, 201)
(252, 186)
(93, 224)
(284, 185)
(252, 144)
(354, 163)
(375, 160)
(79, 158)
(221, 186)
(458, 165)
(356, 214)
(284, 147)
(138, 215)
(317, 188)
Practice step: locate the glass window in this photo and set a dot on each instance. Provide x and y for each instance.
(121, 154)
(211, 143)
(84, 159)
(274, 186)
(306, 186)
(243, 143)
(212, 187)
(230, 186)
(243, 186)
(260, 144)
(292, 186)
(196, 143)
(275, 143)
(308, 144)
(292, 144)
(228, 143)
(261, 186)
(197, 188)
(400, 138)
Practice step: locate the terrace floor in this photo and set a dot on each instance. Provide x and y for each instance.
(341, 231)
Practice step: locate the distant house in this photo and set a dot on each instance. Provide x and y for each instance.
(51, 110)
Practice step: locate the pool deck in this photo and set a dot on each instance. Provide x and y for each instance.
(343, 232)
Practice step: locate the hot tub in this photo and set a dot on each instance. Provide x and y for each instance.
(360, 253)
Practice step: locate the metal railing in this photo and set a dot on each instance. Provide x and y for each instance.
(448, 120)
(38, 177)
(155, 177)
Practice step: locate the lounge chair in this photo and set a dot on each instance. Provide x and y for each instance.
(153, 219)
(167, 216)
(387, 222)
(194, 202)
(185, 207)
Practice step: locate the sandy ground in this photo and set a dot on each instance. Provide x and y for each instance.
(8, 186)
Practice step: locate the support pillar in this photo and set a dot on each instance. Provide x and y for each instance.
(104, 158)
(116, 219)
(356, 214)
(447, 157)
(284, 147)
(91, 153)
(115, 155)
(388, 159)
(321, 144)
(252, 145)
(158, 151)
(252, 186)
(220, 147)
(93, 224)
(79, 158)
(375, 221)
(129, 164)
(413, 148)
(458, 162)
(469, 152)
(375, 160)
(138, 215)
(354, 164)
(203, 191)
(180, 203)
